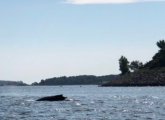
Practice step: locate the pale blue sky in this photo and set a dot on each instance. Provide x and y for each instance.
(49, 38)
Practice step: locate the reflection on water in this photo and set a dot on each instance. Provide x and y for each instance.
(85, 103)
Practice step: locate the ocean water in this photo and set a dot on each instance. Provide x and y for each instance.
(85, 103)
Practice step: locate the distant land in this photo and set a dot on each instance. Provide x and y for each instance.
(11, 83)
(77, 80)
(133, 73)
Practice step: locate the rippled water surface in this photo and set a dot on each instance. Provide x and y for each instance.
(85, 103)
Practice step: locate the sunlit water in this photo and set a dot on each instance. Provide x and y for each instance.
(85, 103)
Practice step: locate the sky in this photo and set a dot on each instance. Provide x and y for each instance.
(42, 39)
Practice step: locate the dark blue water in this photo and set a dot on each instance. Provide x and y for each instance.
(85, 103)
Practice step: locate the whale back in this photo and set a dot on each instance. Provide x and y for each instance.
(53, 98)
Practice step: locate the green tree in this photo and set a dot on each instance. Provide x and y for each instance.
(136, 65)
(124, 65)
(158, 60)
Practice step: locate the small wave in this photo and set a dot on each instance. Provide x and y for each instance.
(70, 99)
(78, 104)
(92, 102)
(30, 100)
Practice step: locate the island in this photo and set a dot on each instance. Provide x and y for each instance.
(136, 73)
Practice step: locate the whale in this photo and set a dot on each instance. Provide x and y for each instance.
(52, 98)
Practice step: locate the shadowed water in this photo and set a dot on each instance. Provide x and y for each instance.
(85, 103)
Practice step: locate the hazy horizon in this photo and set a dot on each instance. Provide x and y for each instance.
(43, 39)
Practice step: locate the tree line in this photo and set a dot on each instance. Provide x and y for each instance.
(77, 80)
